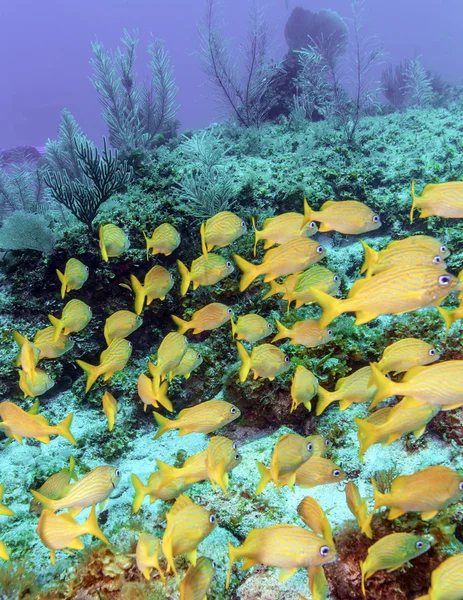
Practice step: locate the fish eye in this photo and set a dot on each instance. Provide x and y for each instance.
(310, 446)
(444, 280)
(235, 446)
(86, 268)
(70, 339)
(437, 260)
(443, 249)
(461, 486)
(269, 326)
(233, 410)
(212, 519)
(336, 278)
(198, 356)
(432, 352)
(327, 443)
(286, 358)
(138, 318)
(243, 223)
(229, 311)
(118, 473)
(171, 276)
(375, 218)
(329, 332)
(324, 550)
(237, 456)
(214, 565)
(229, 264)
(419, 544)
(312, 224)
(130, 344)
(320, 249)
(336, 473)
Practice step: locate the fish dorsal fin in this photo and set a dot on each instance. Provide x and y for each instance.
(182, 502)
(327, 204)
(41, 419)
(429, 188)
(357, 286)
(411, 373)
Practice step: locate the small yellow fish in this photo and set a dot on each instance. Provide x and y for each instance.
(113, 359)
(318, 584)
(113, 241)
(420, 257)
(157, 284)
(314, 517)
(251, 328)
(207, 318)
(74, 276)
(4, 551)
(358, 506)
(151, 396)
(406, 354)
(282, 228)
(44, 341)
(191, 360)
(439, 200)
(76, 316)
(205, 270)
(317, 276)
(304, 387)
(187, 526)
(109, 409)
(28, 358)
(4, 510)
(288, 547)
(170, 353)
(157, 488)
(121, 324)
(34, 358)
(19, 424)
(265, 360)
(93, 488)
(306, 333)
(43, 383)
(318, 471)
(205, 417)
(197, 580)
(147, 555)
(290, 452)
(291, 257)
(447, 580)
(355, 388)
(164, 240)
(346, 216)
(319, 443)
(394, 291)
(55, 486)
(391, 552)
(221, 230)
(58, 532)
(451, 316)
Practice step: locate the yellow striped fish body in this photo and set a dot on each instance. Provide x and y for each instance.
(113, 241)
(54, 487)
(121, 324)
(391, 552)
(318, 584)
(221, 458)
(406, 354)
(18, 424)
(420, 257)
(187, 526)
(109, 409)
(439, 200)
(147, 555)
(377, 418)
(447, 580)
(221, 230)
(304, 387)
(265, 360)
(320, 444)
(207, 318)
(4, 510)
(282, 228)
(284, 288)
(426, 491)
(346, 216)
(43, 383)
(164, 240)
(76, 316)
(251, 328)
(157, 488)
(205, 417)
(4, 551)
(94, 488)
(314, 517)
(198, 579)
(157, 284)
(74, 276)
(355, 388)
(306, 333)
(191, 360)
(170, 353)
(44, 341)
(113, 359)
(205, 270)
(151, 396)
(358, 506)
(58, 532)
(317, 276)
(318, 471)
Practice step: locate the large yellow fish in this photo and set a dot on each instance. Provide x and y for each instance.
(207, 318)
(197, 580)
(439, 200)
(187, 525)
(406, 354)
(74, 276)
(109, 409)
(170, 353)
(355, 388)
(113, 359)
(314, 517)
(147, 555)
(288, 547)
(58, 532)
(318, 471)
(205, 417)
(121, 324)
(447, 580)
(304, 387)
(4, 510)
(113, 241)
(191, 360)
(291, 257)
(346, 216)
(265, 360)
(19, 424)
(221, 230)
(164, 240)
(282, 228)
(205, 270)
(306, 333)
(157, 488)
(55, 486)
(251, 328)
(43, 383)
(151, 396)
(358, 506)
(76, 316)
(4, 551)
(395, 291)
(157, 284)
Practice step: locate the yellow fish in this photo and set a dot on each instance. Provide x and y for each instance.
(355, 388)
(319, 443)
(55, 486)
(44, 346)
(314, 517)
(113, 359)
(28, 358)
(358, 506)
(265, 360)
(290, 452)
(147, 555)
(406, 354)
(43, 383)
(170, 353)
(376, 262)
(120, 325)
(346, 216)
(317, 276)
(447, 580)
(93, 488)
(282, 228)
(74, 276)
(304, 387)
(76, 316)
(451, 316)
(19, 424)
(191, 360)
(291, 257)
(3, 551)
(395, 291)
(391, 552)
(288, 547)
(209, 317)
(221, 230)
(109, 409)
(439, 200)
(378, 417)
(197, 580)
(58, 532)
(157, 284)
(164, 240)
(187, 526)
(205, 270)
(4, 510)
(205, 417)
(34, 358)
(251, 328)
(318, 471)
(306, 333)
(113, 241)
(151, 396)
(157, 488)
(318, 584)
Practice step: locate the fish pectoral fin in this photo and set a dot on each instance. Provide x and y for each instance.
(429, 514)
(192, 556)
(394, 568)
(450, 406)
(395, 513)
(291, 480)
(287, 573)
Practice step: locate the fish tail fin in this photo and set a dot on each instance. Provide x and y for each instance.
(384, 386)
(62, 278)
(256, 235)
(91, 371)
(233, 555)
(245, 361)
(367, 434)
(162, 398)
(325, 398)
(57, 325)
(164, 424)
(167, 471)
(18, 338)
(47, 503)
(92, 527)
(233, 326)
(64, 429)
(282, 332)
(182, 325)
(380, 498)
(331, 307)
(147, 242)
(272, 291)
(371, 257)
(307, 214)
(104, 252)
(186, 277)
(140, 493)
(414, 199)
(202, 231)
(265, 478)
(139, 292)
(250, 271)
(448, 316)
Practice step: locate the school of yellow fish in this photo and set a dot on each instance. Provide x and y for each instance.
(406, 275)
